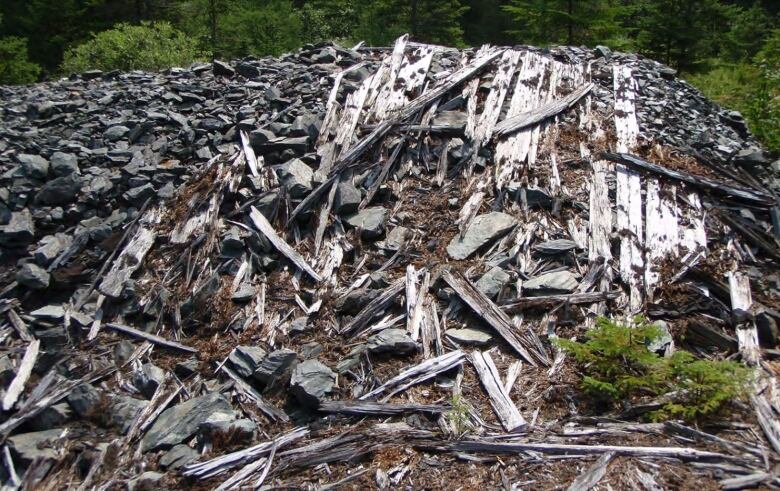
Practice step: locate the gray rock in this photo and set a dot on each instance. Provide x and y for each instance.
(395, 239)
(244, 293)
(50, 247)
(246, 359)
(51, 417)
(148, 378)
(116, 133)
(257, 138)
(767, 329)
(178, 456)
(20, 230)
(123, 351)
(347, 198)
(137, 196)
(63, 164)
(146, 481)
(394, 341)
(296, 177)
(555, 246)
(244, 429)
(275, 367)
(306, 125)
(299, 325)
(185, 369)
(33, 276)
(124, 411)
(26, 447)
(371, 221)
(222, 69)
(492, 282)
(603, 52)
(469, 336)
(49, 312)
(34, 166)
(179, 423)
(559, 281)
(59, 191)
(311, 382)
(660, 344)
(483, 230)
(84, 398)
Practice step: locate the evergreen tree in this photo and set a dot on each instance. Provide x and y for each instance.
(15, 68)
(431, 21)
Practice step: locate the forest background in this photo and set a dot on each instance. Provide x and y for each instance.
(729, 49)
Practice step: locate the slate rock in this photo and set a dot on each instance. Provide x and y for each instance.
(469, 336)
(660, 344)
(224, 423)
(185, 369)
(311, 382)
(137, 196)
(60, 191)
(51, 417)
(395, 239)
(124, 411)
(296, 177)
(148, 378)
(482, 231)
(179, 423)
(371, 221)
(274, 367)
(146, 481)
(34, 166)
(50, 247)
(64, 164)
(299, 325)
(84, 398)
(244, 293)
(33, 276)
(178, 456)
(767, 330)
(347, 198)
(116, 133)
(259, 137)
(246, 359)
(557, 246)
(20, 230)
(559, 282)
(222, 69)
(492, 282)
(26, 447)
(394, 341)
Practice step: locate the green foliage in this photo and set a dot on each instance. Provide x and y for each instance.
(565, 21)
(149, 46)
(431, 21)
(329, 20)
(619, 367)
(458, 415)
(15, 68)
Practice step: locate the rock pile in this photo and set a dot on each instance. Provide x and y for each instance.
(219, 273)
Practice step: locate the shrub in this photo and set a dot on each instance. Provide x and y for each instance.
(15, 68)
(618, 366)
(149, 46)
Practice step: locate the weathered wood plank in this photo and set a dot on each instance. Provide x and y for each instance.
(372, 408)
(152, 338)
(416, 374)
(523, 303)
(265, 227)
(374, 308)
(593, 474)
(128, 261)
(23, 373)
(505, 409)
(527, 345)
(662, 232)
(541, 113)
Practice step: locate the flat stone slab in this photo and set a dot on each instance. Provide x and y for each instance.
(483, 230)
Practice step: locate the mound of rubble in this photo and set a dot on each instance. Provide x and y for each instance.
(346, 267)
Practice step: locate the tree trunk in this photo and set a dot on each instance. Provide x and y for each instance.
(213, 27)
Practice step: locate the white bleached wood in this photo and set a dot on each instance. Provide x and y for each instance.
(386, 97)
(128, 261)
(504, 72)
(249, 154)
(741, 308)
(419, 305)
(593, 474)
(416, 374)
(600, 224)
(505, 409)
(694, 235)
(265, 227)
(661, 224)
(410, 79)
(540, 113)
(470, 95)
(411, 295)
(23, 373)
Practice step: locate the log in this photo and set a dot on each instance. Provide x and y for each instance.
(23, 373)
(416, 374)
(374, 308)
(527, 346)
(372, 408)
(699, 182)
(152, 338)
(127, 263)
(505, 409)
(265, 227)
(593, 474)
(520, 304)
(545, 111)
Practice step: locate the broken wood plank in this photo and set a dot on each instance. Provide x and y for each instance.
(541, 113)
(699, 182)
(265, 407)
(661, 230)
(265, 227)
(374, 308)
(152, 338)
(523, 303)
(593, 474)
(505, 409)
(741, 312)
(600, 222)
(127, 262)
(416, 374)
(373, 408)
(526, 346)
(23, 372)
